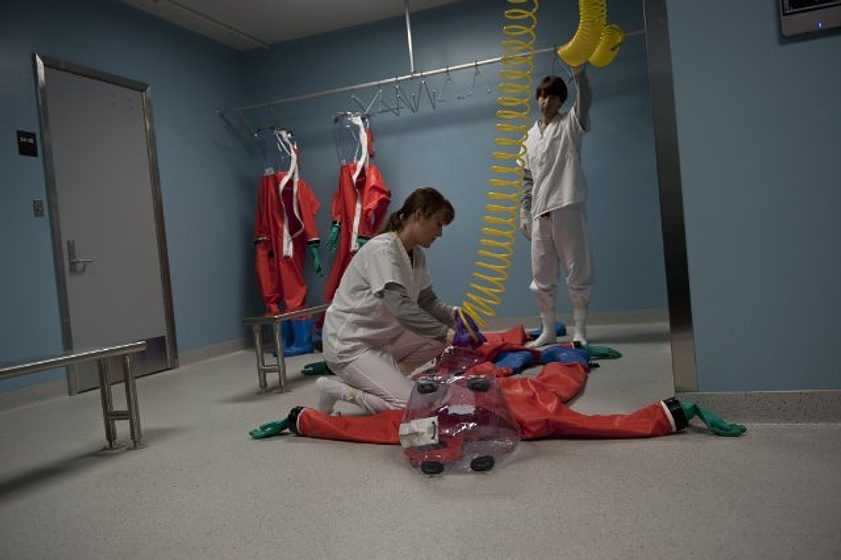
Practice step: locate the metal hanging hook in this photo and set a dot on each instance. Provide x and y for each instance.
(447, 81)
(477, 76)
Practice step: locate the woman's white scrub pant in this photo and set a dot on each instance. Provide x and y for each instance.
(377, 376)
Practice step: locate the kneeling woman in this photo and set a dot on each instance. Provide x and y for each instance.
(385, 320)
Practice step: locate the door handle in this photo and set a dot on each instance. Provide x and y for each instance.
(74, 260)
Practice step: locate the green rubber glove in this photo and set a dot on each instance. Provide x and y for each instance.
(715, 424)
(360, 241)
(269, 429)
(313, 246)
(602, 352)
(333, 240)
(316, 368)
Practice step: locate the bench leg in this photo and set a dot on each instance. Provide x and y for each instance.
(281, 361)
(107, 403)
(257, 330)
(131, 401)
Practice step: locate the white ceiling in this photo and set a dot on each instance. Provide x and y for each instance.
(249, 24)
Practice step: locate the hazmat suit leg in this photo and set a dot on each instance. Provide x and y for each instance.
(537, 405)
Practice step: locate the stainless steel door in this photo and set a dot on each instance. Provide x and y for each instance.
(105, 214)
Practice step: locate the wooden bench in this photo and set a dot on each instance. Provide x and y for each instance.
(275, 321)
(101, 355)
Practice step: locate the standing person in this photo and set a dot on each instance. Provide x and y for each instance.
(553, 212)
(385, 319)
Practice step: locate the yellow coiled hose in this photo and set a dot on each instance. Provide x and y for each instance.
(594, 40)
(514, 114)
(608, 47)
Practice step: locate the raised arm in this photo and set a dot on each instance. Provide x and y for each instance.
(584, 98)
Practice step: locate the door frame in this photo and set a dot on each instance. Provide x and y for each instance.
(658, 46)
(41, 64)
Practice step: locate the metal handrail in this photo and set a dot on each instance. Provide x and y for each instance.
(71, 358)
(269, 319)
(101, 355)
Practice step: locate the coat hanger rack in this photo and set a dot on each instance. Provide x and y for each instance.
(378, 104)
(375, 84)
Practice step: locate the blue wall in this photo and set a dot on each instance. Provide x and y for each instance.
(757, 122)
(759, 126)
(209, 175)
(207, 196)
(450, 147)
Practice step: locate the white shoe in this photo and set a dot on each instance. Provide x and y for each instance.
(329, 392)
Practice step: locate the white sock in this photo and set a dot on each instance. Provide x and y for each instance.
(579, 317)
(329, 391)
(547, 337)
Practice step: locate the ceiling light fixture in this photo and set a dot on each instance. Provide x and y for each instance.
(215, 22)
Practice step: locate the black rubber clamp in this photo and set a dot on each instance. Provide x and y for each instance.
(292, 419)
(678, 415)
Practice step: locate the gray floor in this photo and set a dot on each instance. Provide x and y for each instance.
(203, 489)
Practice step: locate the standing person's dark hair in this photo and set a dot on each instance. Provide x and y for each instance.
(552, 85)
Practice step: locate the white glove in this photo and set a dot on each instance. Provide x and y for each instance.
(525, 223)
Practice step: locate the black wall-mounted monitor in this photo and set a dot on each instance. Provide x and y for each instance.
(798, 17)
